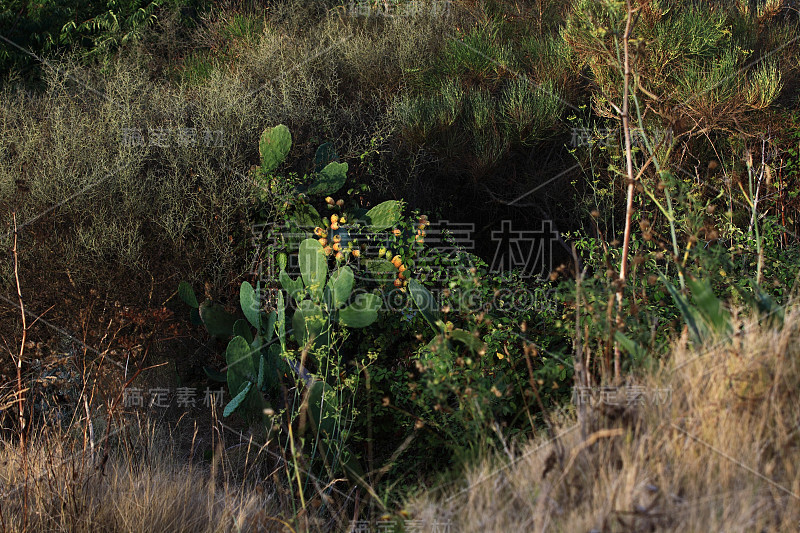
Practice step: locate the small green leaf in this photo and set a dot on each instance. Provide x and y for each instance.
(307, 322)
(241, 329)
(381, 270)
(306, 217)
(323, 408)
(471, 341)
(269, 326)
(251, 304)
(324, 155)
(214, 375)
(425, 302)
(280, 320)
(362, 312)
(293, 286)
(329, 180)
(237, 400)
(186, 294)
(384, 215)
(341, 285)
(240, 364)
(313, 266)
(217, 321)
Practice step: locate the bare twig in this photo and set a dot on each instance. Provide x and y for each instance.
(626, 129)
(20, 389)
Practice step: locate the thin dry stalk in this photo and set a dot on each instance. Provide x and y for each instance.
(20, 390)
(626, 129)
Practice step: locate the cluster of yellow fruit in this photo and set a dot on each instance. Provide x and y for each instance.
(334, 246)
(401, 281)
(423, 223)
(397, 261)
(331, 203)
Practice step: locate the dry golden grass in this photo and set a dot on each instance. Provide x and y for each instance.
(144, 485)
(722, 455)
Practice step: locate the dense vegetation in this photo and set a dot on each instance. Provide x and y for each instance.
(298, 164)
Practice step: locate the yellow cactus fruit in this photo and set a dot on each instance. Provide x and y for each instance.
(356, 253)
(323, 241)
(396, 232)
(319, 232)
(401, 268)
(398, 282)
(397, 261)
(334, 219)
(343, 220)
(337, 247)
(340, 202)
(334, 226)
(329, 200)
(337, 238)
(339, 256)
(328, 250)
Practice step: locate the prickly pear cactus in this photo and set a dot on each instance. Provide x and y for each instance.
(326, 299)
(384, 215)
(273, 147)
(325, 154)
(244, 377)
(362, 312)
(313, 267)
(216, 319)
(329, 180)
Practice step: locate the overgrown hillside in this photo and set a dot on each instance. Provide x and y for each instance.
(327, 256)
(709, 443)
